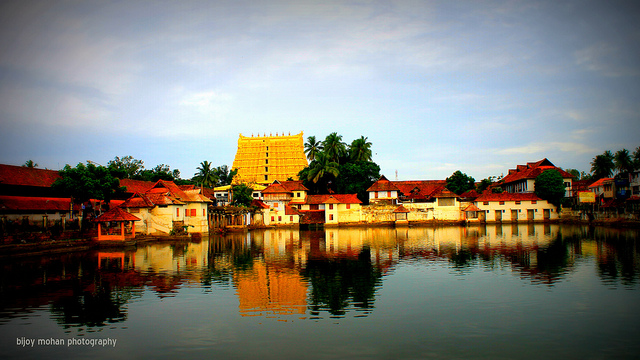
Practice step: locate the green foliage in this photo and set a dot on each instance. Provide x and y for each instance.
(550, 186)
(360, 150)
(602, 166)
(356, 178)
(312, 147)
(87, 182)
(484, 184)
(242, 195)
(459, 183)
(160, 172)
(30, 164)
(224, 175)
(333, 147)
(623, 162)
(205, 176)
(126, 167)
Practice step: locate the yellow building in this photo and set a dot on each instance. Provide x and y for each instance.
(263, 159)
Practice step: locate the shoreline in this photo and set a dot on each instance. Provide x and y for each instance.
(47, 247)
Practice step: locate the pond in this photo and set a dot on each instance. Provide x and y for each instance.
(488, 292)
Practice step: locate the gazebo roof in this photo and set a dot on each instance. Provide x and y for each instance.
(116, 214)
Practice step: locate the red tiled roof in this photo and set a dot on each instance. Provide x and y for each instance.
(471, 208)
(18, 175)
(136, 186)
(259, 204)
(471, 194)
(599, 183)
(288, 210)
(295, 185)
(508, 197)
(382, 184)
(333, 199)
(116, 214)
(284, 187)
(424, 189)
(401, 209)
(276, 188)
(35, 203)
(532, 170)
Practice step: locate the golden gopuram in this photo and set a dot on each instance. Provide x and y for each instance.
(263, 159)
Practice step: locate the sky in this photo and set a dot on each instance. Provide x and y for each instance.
(435, 86)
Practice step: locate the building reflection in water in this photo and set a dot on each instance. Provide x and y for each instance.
(287, 273)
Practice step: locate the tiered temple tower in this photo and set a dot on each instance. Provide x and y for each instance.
(263, 159)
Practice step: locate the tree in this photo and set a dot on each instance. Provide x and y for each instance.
(484, 184)
(225, 177)
(550, 186)
(334, 148)
(602, 165)
(459, 183)
(87, 182)
(636, 158)
(312, 147)
(205, 176)
(30, 164)
(356, 178)
(126, 167)
(160, 172)
(623, 162)
(360, 150)
(242, 195)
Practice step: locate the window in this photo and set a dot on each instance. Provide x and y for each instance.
(178, 212)
(446, 201)
(501, 203)
(279, 218)
(376, 194)
(193, 212)
(267, 154)
(485, 203)
(273, 218)
(275, 205)
(388, 194)
(266, 177)
(330, 206)
(534, 202)
(348, 206)
(204, 212)
(291, 218)
(266, 161)
(266, 169)
(518, 202)
(331, 217)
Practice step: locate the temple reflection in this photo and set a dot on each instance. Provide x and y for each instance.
(291, 274)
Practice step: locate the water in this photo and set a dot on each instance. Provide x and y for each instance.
(494, 292)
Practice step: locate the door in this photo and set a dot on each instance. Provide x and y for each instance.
(514, 215)
(498, 215)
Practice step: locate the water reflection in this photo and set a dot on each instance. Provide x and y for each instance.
(283, 274)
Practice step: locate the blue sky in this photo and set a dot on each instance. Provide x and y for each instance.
(436, 86)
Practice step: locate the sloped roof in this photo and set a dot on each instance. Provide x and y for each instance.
(196, 196)
(136, 186)
(599, 182)
(401, 209)
(35, 203)
(284, 187)
(532, 170)
(508, 197)
(24, 176)
(259, 204)
(276, 188)
(422, 189)
(471, 207)
(333, 199)
(382, 184)
(116, 214)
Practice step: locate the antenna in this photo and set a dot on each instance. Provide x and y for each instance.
(396, 174)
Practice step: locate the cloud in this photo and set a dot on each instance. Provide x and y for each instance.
(543, 148)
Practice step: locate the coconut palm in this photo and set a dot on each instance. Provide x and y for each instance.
(30, 164)
(360, 150)
(333, 147)
(312, 148)
(322, 167)
(205, 176)
(602, 165)
(623, 161)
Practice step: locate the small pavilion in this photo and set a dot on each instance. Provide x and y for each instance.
(120, 217)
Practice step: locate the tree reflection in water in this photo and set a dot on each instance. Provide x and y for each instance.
(337, 283)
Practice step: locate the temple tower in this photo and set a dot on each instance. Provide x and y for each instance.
(263, 159)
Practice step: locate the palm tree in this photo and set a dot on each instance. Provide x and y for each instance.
(360, 150)
(623, 161)
(30, 164)
(636, 158)
(602, 165)
(205, 176)
(321, 168)
(333, 147)
(312, 148)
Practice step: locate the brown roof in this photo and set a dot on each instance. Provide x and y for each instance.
(471, 207)
(136, 186)
(508, 197)
(382, 184)
(18, 175)
(11, 203)
(532, 170)
(116, 214)
(401, 209)
(333, 199)
(284, 187)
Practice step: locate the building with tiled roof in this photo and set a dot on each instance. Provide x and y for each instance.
(522, 178)
(25, 181)
(166, 207)
(263, 159)
(510, 207)
(392, 192)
